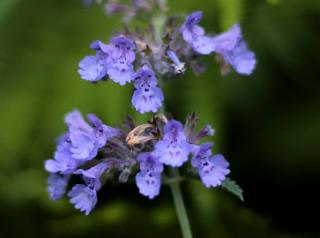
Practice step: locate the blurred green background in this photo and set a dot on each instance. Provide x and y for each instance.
(267, 125)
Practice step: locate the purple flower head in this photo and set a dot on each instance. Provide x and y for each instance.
(231, 46)
(147, 97)
(102, 132)
(120, 73)
(147, 100)
(148, 179)
(190, 29)
(243, 60)
(80, 144)
(63, 161)
(86, 140)
(94, 67)
(174, 130)
(145, 78)
(212, 170)
(122, 50)
(92, 176)
(57, 185)
(173, 149)
(83, 198)
(207, 130)
(149, 183)
(149, 163)
(203, 45)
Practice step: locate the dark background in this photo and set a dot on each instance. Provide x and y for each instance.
(267, 125)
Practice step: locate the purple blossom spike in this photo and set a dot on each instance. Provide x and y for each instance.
(231, 46)
(173, 149)
(212, 170)
(147, 97)
(57, 185)
(122, 50)
(190, 29)
(92, 176)
(148, 179)
(83, 198)
(94, 67)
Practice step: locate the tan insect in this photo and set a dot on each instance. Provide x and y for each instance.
(137, 135)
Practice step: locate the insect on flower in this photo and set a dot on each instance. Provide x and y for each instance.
(139, 135)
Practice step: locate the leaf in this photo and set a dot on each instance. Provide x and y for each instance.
(231, 186)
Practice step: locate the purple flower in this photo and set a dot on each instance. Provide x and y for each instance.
(147, 97)
(121, 73)
(234, 50)
(122, 50)
(207, 130)
(148, 179)
(173, 149)
(92, 176)
(85, 139)
(149, 163)
(203, 45)
(63, 161)
(80, 144)
(212, 169)
(94, 67)
(83, 198)
(57, 185)
(190, 29)
(149, 183)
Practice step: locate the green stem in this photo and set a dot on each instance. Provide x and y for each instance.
(179, 205)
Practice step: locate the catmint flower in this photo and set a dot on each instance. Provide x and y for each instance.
(83, 197)
(207, 130)
(212, 169)
(63, 161)
(194, 34)
(57, 185)
(92, 176)
(173, 149)
(122, 49)
(203, 45)
(148, 179)
(147, 97)
(121, 73)
(231, 46)
(80, 144)
(94, 67)
(190, 29)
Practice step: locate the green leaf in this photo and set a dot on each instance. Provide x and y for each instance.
(231, 186)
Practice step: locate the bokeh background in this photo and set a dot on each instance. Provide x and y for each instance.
(267, 125)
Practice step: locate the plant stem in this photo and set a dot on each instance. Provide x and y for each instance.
(179, 205)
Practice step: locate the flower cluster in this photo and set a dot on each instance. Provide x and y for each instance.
(92, 152)
(230, 44)
(134, 57)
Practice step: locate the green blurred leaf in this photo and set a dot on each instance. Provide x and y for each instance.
(231, 186)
